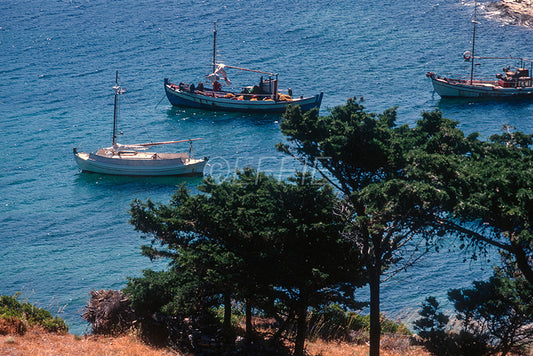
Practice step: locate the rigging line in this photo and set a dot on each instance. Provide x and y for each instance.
(163, 97)
(130, 104)
(150, 112)
(117, 118)
(137, 115)
(174, 124)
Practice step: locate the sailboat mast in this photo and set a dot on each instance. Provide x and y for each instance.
(214, 45)
(115, 88)
(473, 44)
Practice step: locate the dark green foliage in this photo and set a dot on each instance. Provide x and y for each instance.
(432, 320)
(499, 310)
(392, 327)
(395, 180)
(432, 329)
(358, 321)
(153, 291)
(428, 181)
(329, 323)
(495, 317)
(497, 194)
(362, 322)
(10, 307)
(275, 246)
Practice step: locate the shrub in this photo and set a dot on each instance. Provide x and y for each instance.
(18, 316)
(333, 322)
(392, 327)
(12, 325)
(357, 321)
(432, 328)
(328, 323)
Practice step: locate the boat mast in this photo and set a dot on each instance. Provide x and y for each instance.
(116, 89)
(214, 45)
(474, 21)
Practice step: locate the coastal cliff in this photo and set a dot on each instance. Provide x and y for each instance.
(516, 12)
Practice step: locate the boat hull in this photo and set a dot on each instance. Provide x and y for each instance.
(124, 166)
(455, 89)
(178, 97)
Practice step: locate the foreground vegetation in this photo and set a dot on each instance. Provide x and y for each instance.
(38, 342)
(17, 317)
(41, 343)
(28, 330)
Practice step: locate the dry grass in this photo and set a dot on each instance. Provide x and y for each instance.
(37, 342)
(391, 345)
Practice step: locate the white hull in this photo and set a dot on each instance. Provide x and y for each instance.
(140, 164)
(133, 160)
(462, 89)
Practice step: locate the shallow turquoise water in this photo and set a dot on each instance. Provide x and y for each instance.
(63, 233)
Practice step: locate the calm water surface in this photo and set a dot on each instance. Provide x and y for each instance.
(63, 233)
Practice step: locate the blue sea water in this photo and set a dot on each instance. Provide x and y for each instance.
(64, 233)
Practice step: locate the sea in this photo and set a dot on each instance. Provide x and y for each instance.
(64, 233)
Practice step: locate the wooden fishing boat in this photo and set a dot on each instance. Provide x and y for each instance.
(209, 99)
(264, 97)
(131, 160)
(513, 82)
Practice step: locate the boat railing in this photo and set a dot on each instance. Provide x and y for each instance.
(466, 80)
(520, 69)
(242, 95)
(523, 59)
(501, 82)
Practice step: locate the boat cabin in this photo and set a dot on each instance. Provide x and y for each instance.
(513, 79)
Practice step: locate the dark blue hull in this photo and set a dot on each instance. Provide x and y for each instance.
(194, 99)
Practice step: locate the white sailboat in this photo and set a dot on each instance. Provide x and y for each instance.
(133, 160)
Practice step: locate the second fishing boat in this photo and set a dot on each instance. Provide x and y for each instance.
(263, 97)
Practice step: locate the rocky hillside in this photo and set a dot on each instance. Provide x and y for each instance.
(517, 12)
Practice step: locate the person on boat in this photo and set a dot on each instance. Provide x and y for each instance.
(217, 86)
(256, 89)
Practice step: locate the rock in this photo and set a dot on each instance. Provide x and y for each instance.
(515, 12)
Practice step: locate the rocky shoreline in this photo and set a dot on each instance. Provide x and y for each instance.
(515, 12)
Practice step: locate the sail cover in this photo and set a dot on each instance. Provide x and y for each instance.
(219, 71)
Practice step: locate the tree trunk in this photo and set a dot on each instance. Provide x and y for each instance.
(301, 330)
(226, 325)
(282, 322)
(249, 330)
(522, 261)
(375, 326)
